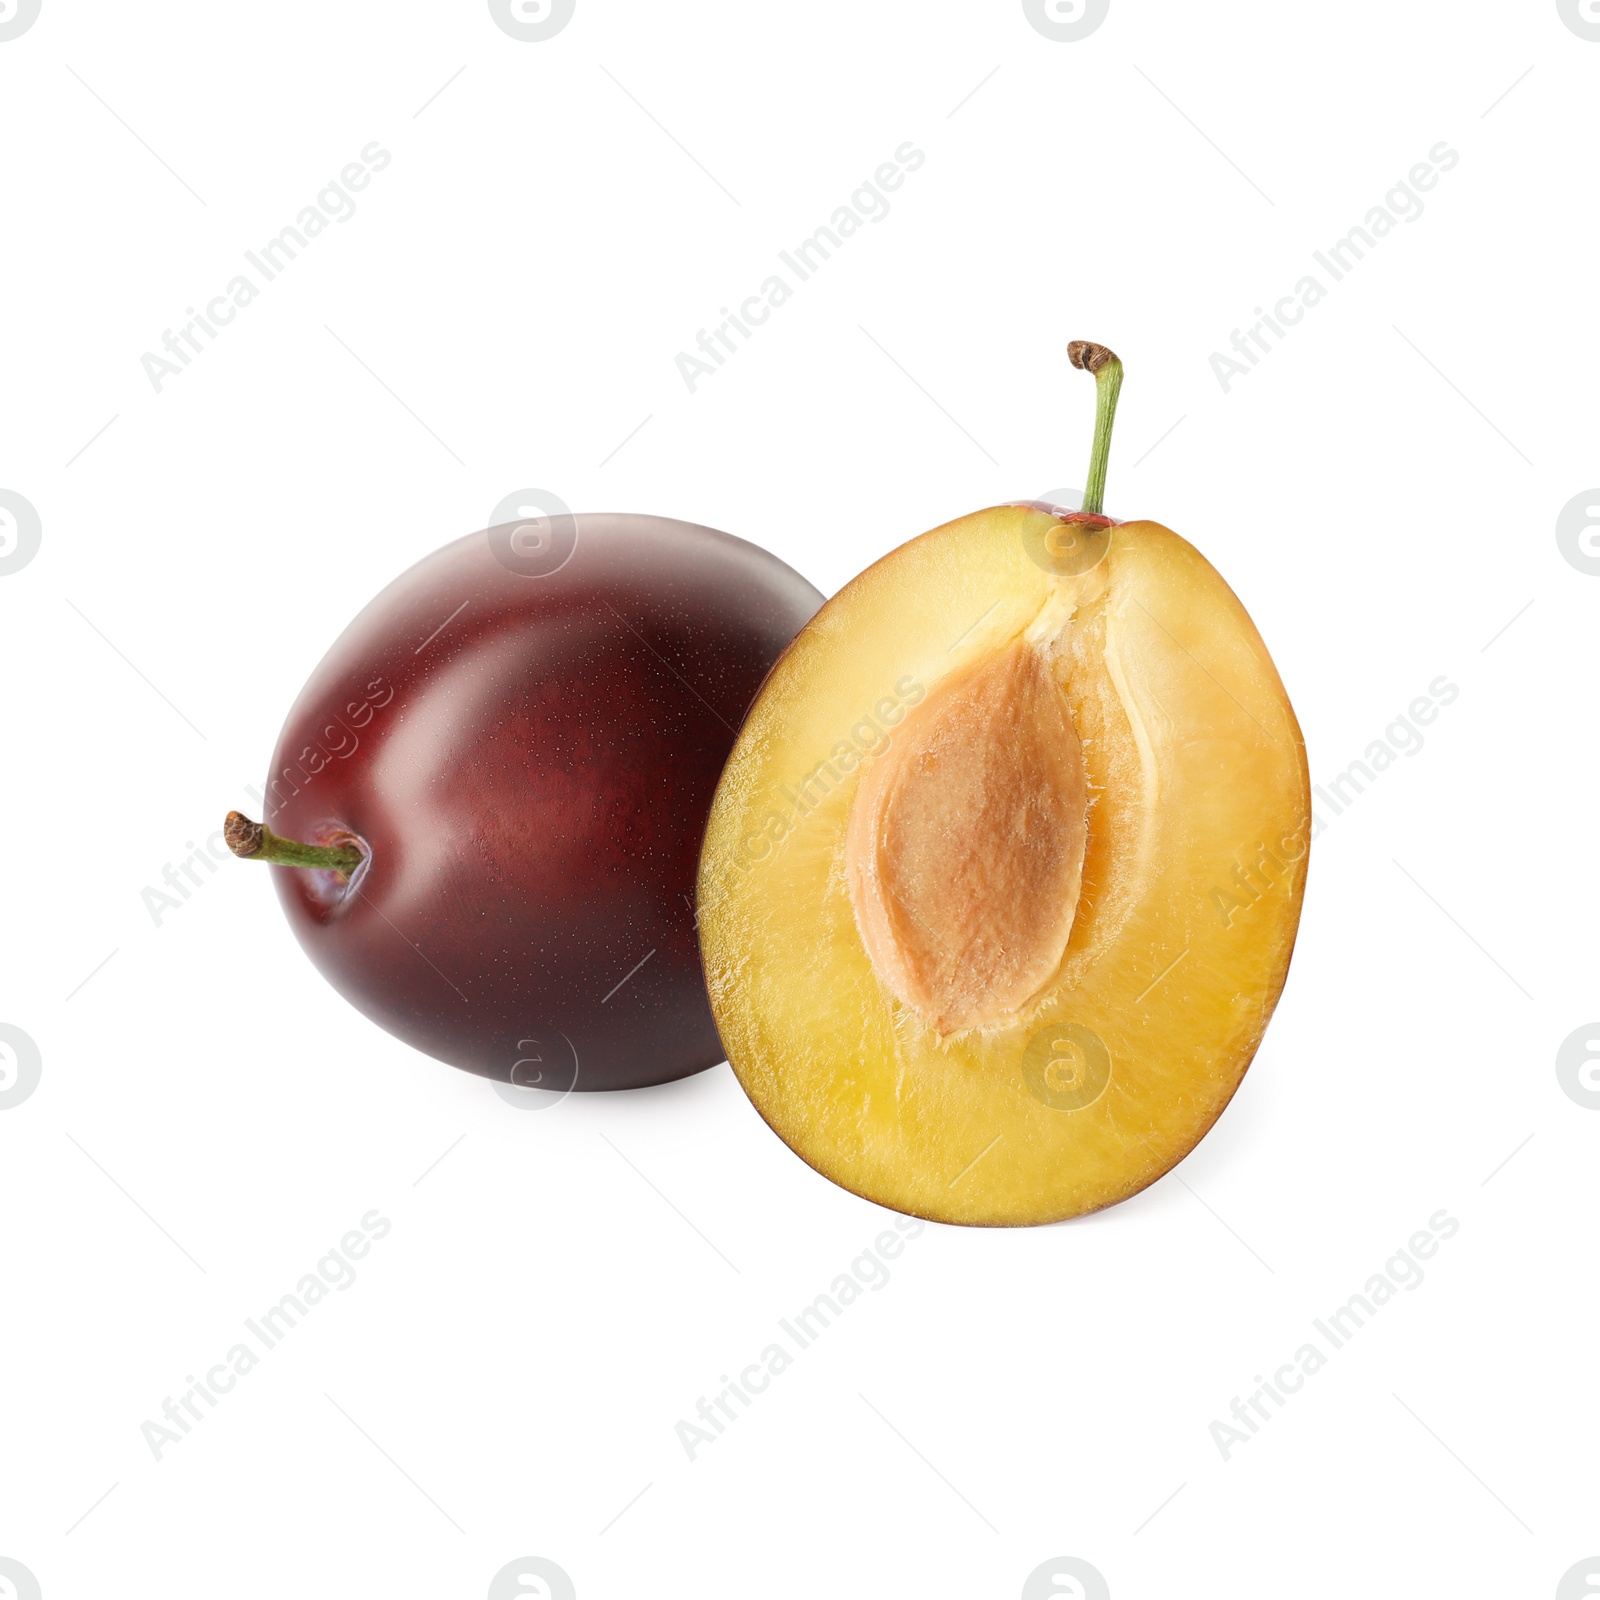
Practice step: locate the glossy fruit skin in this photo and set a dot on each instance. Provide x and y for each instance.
(527, 756)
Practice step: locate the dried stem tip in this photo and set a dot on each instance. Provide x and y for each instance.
(1089, 357)
(244, 836)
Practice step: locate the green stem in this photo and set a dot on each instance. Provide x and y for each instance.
(255, 841)
(1107, 370)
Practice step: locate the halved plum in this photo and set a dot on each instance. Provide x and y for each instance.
(1002, 878)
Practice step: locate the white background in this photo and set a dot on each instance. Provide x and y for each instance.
(558, 1290)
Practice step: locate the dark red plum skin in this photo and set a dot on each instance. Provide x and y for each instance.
(528, 762)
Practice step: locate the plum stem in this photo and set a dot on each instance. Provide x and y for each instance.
(255, 841)
(1107, 371)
